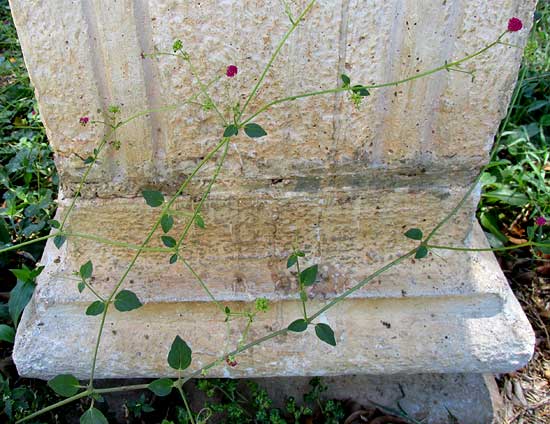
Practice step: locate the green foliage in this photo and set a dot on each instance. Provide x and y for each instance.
(162, 386)
(168, 241)
(179, 356)
(65, 385)
(153, 198)
(86, 270)
(166, 222)
(93, 416)
(23, 290)
(516, 187)
(95, 308)
(254, 130)
(414, 233)
(230, 131)
(139, 406)
(126, 300)
(298, 326)
(325, 333)
(309, 275)
(421, 252)
(7, 333)
(58, 241)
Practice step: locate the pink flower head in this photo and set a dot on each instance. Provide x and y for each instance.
(231, 361)
(514, 24)
(84, 120)
(540, 221)
(231, 71)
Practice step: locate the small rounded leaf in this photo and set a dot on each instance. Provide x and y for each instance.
(58, 241)
(199, 221)
(166, 222)
(345, 80)
(298, 326)
(421, 252)
(179, 356)
(161, 387)
(126, 300)
(168, 241)
(86, 270)
(95, 308)
(230, 131)
(254, 130)
(308, 275)
(292, 259)
(325, 333)
(153, 198)
(414, 233)
(81, 286)
(65, 385)
(93, 416)
(173, 258)
(7, 333)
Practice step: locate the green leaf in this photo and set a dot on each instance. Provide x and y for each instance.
(230, 131)
(58, 241)
(161, 387)
(168, 241)
(166, 222)
(308, 275)
(345, 80)
(20, 295)
(292, 259)
(359, 89)
(54, 224)
(199, 221)
(153, 198)
(126, 300)
(93, 416)
(325, 333)
(178, 44)
(179, 356)
(254, 130)
(88, 160)
(421, 252)
(173, 258)
(81, 286)
(414, 233)
(86, 270)
(65, 385)
(95, 308)
(298, 326)
(7, 333)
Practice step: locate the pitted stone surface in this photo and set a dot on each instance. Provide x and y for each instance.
(349, 182)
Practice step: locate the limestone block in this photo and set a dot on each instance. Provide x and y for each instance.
(349, 182)
(443, 314)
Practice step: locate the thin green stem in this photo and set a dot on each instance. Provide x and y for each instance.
(166, 207)
(55, 405)
(493, 154)
(205, 195)
(274, 56)
(204, 90)
(96, 294)
(361, 284)
(117, 243)
(187, 408)
(26, 243)
(302, 290)
(445, 66)
(204, 286)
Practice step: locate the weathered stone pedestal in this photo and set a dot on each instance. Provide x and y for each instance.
(348, 182)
